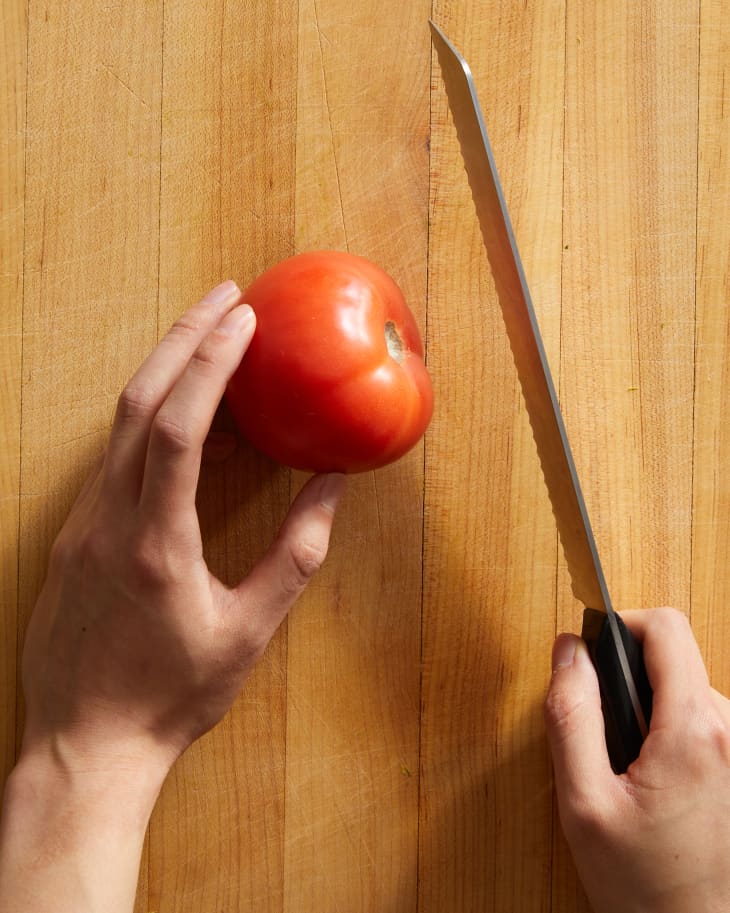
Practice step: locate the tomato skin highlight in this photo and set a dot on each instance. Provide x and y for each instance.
(318, 389)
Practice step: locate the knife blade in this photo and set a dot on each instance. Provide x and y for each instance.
(626, 696)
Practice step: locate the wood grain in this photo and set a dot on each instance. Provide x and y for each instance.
(90, 255)
(92, 146)
(711, 506)
(388, 754)
(13, 43)
(227, 211)
(354, 643)
(628, 286)
(90, 267)
(490, 538)
(628, 299)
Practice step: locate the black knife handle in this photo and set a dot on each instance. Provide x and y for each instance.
(624, 737)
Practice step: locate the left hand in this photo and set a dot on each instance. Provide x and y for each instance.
(134, 648)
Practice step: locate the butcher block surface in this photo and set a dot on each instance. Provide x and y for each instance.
(388, 755)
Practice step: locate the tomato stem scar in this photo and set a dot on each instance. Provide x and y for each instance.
(394, 343)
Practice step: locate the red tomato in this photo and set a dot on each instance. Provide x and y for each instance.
(334, 379)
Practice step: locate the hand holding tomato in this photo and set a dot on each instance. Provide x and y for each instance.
(134, 648)
(334, 378)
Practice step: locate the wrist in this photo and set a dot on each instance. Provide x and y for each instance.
(72, 830)
(49, 772)
(110, 758)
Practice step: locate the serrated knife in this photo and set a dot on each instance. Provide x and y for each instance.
(617, 656)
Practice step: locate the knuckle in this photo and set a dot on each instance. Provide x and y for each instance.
(170, 434)
(672, 620)
(96, 548)
(214, 351)
(563, 712)
(149, 563)
(185, 326)
(305, 558)
(82, 551)
(135, 402)
(709, 735)
(62, 550)
(720, 739)
(203, 358)
(256, 641)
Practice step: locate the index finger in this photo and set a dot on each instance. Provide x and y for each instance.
(674, 664)
(151, 384)
(182, 422)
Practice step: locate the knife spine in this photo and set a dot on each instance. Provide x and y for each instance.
(594, 591)
(596, 596)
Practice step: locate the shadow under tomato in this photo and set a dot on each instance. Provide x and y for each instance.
(242, 499)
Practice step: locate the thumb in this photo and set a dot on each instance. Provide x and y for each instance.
(575, 724)
(298, 552)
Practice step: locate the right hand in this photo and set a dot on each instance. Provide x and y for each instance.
(657, 838)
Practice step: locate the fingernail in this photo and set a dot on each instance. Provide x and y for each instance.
(333, 485)
(226, 291)
(564, 651)
(235, 321)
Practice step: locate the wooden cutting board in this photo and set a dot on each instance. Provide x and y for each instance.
(388, 755)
